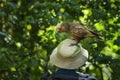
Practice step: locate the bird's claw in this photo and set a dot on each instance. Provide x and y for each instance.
(73, 44)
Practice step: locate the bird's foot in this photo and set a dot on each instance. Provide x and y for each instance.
(73, 44)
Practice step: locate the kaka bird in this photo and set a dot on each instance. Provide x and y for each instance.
(77, 31)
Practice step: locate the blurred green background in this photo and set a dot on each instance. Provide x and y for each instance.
(27, 36)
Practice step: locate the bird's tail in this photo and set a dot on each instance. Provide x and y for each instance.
(97, 36)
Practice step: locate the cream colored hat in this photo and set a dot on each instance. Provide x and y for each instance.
(68, 56)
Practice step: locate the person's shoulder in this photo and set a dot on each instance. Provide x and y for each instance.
(66, 77)
(86, 76)
(77, 76)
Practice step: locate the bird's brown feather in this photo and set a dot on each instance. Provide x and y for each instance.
(77, 31)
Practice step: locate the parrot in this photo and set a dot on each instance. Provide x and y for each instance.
(76, 30)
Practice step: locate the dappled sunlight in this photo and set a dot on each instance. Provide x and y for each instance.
(28, 36)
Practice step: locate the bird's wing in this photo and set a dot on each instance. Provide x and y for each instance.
(87, 32)
(80, 30)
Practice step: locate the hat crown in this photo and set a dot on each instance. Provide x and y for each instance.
(68, 56)
(66, 50)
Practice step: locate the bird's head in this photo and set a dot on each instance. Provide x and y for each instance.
(62, 27)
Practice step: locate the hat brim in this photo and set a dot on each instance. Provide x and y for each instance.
(70, 62)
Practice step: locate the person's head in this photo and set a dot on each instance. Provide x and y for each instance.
(68, 56)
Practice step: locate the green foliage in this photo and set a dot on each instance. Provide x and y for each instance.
(27, 36)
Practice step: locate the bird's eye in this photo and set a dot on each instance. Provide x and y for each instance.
(60, 29)
(62, 26)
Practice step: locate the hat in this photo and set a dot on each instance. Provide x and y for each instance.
(68, 56)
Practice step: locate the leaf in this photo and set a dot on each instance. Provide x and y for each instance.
(99, 26)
